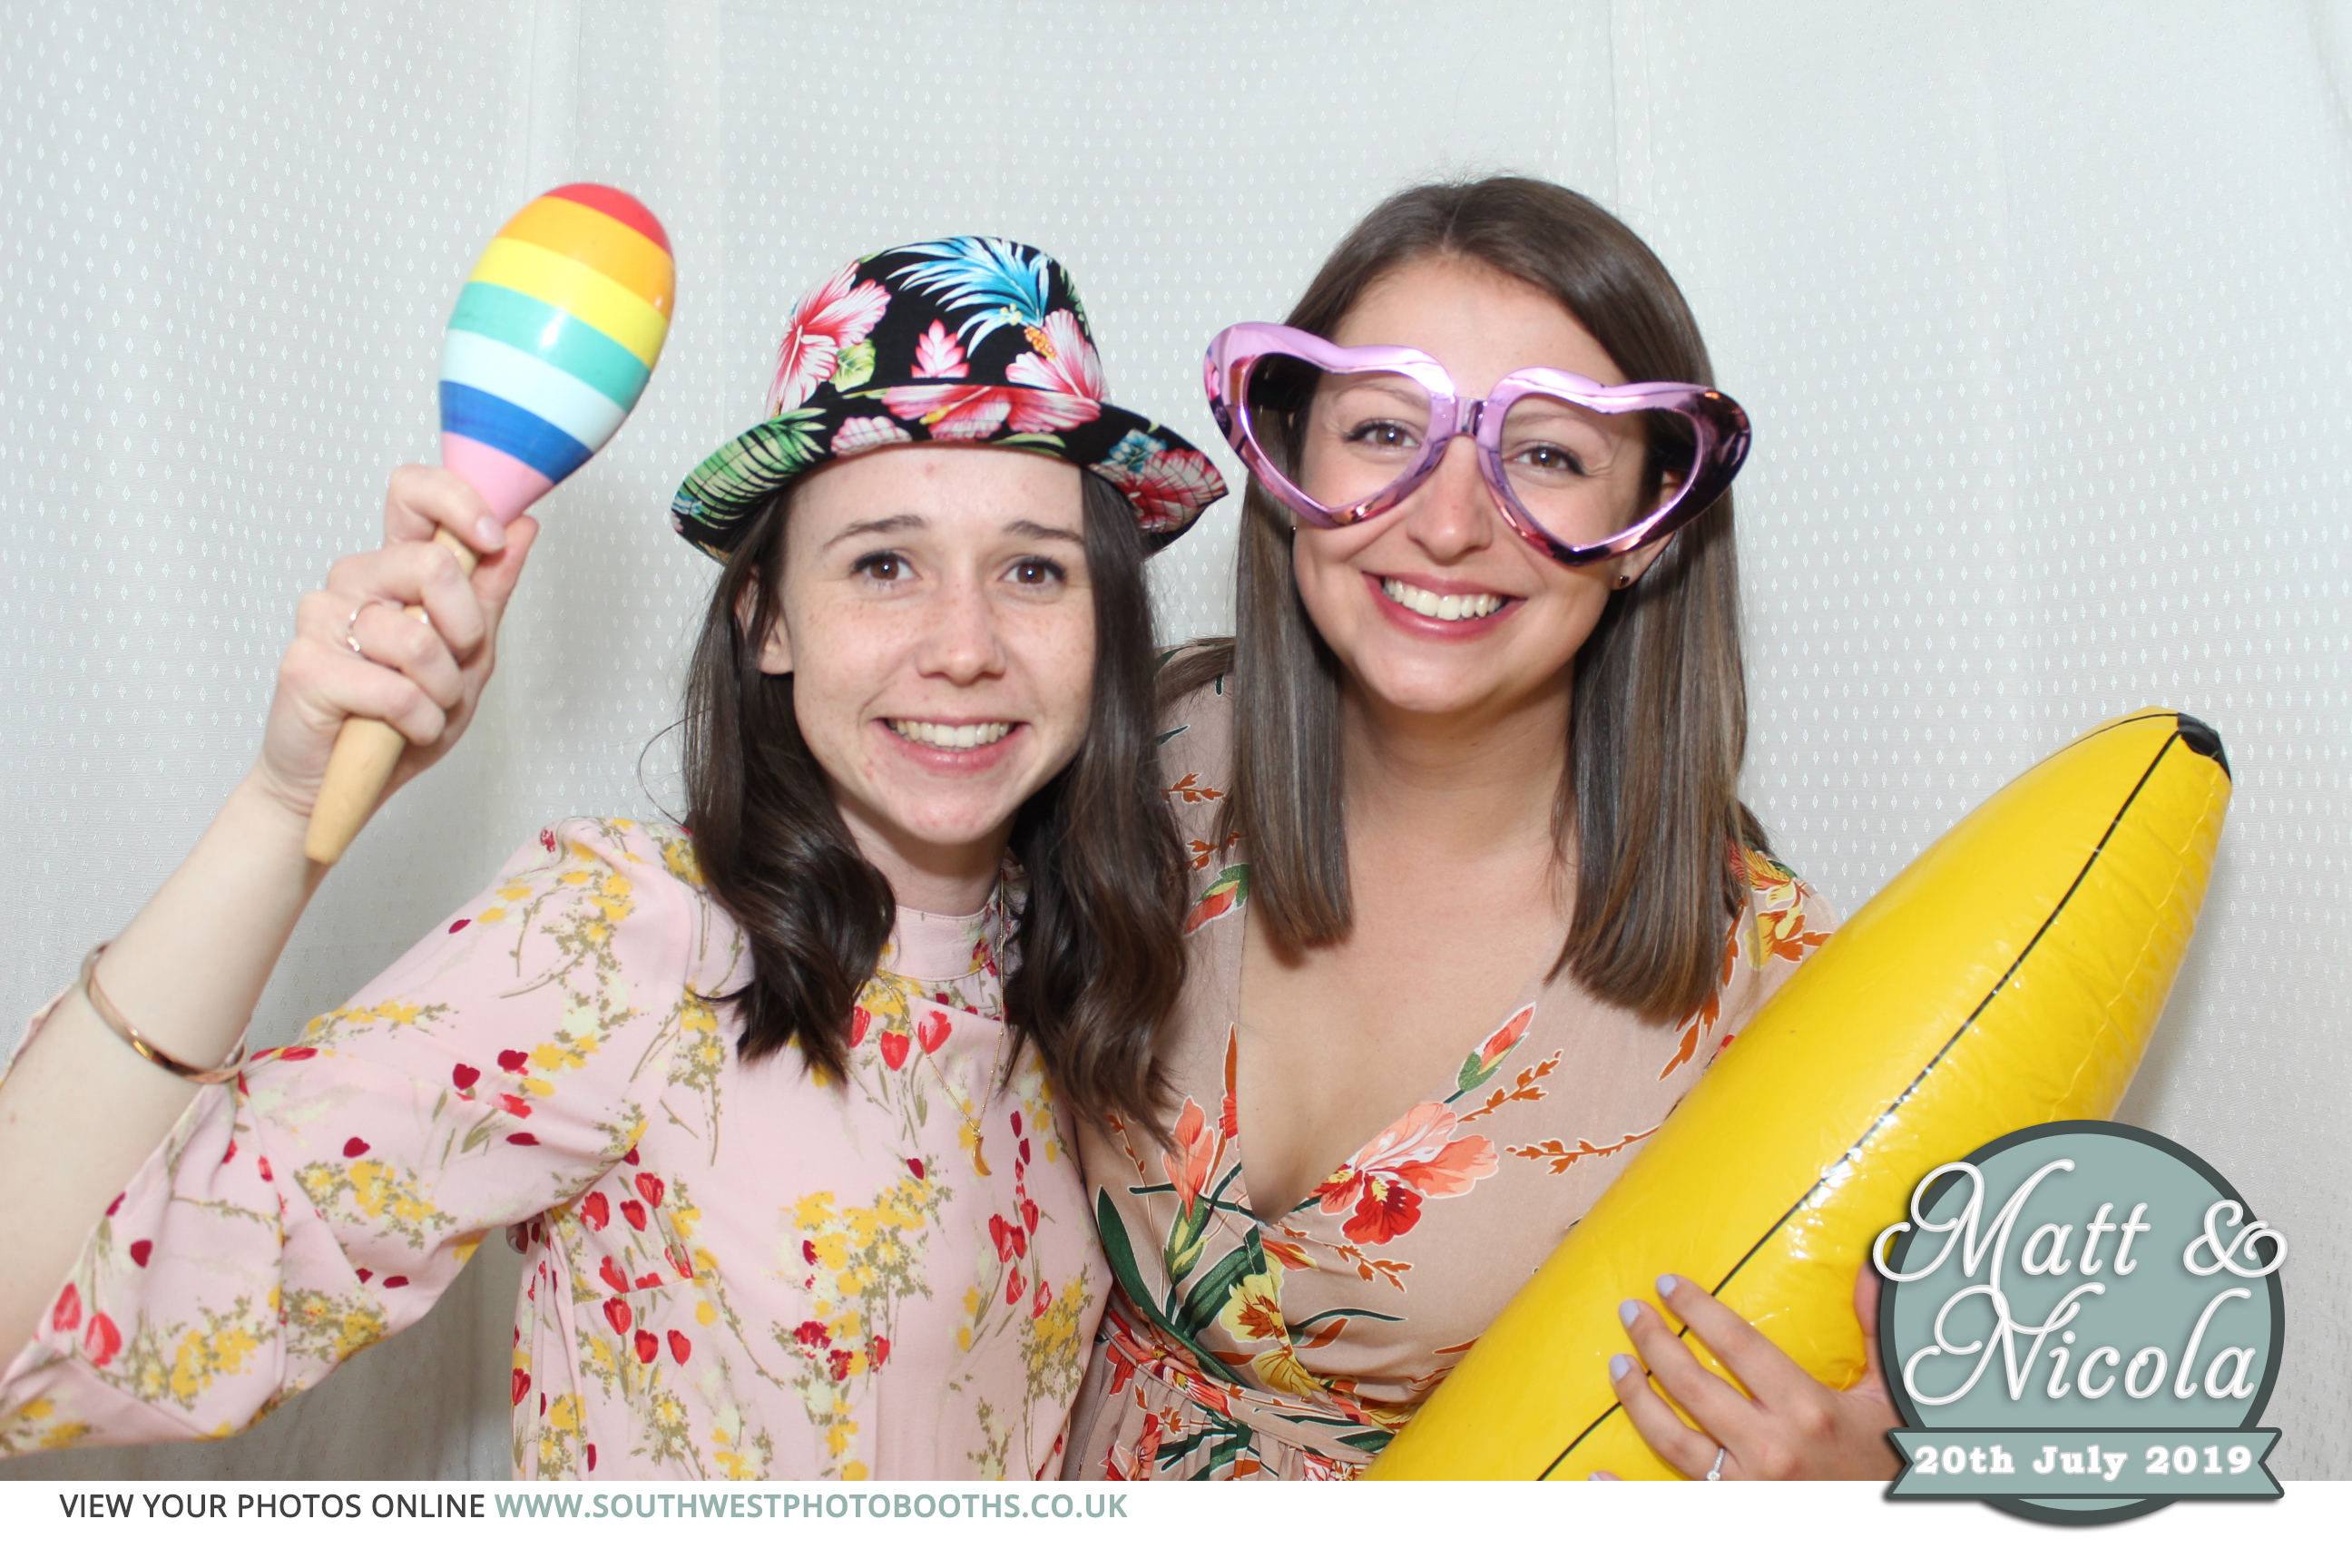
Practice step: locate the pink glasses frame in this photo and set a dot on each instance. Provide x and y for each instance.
(1718, 427)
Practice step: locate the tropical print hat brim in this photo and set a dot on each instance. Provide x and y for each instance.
(973, 340)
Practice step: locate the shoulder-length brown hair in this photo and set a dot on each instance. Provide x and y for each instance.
(1647, 809)
(1097, 954)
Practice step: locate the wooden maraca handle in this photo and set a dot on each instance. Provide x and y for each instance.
(366, 752)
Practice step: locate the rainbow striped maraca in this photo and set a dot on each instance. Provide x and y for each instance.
(552, 340)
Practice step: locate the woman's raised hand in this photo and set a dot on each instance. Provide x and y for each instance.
(1788, 1426)
(421, 673)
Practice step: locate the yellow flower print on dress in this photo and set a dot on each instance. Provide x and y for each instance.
(857, 1265)
(554, 1062)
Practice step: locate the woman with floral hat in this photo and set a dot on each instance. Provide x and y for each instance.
(772, 1106)
(1475, 899)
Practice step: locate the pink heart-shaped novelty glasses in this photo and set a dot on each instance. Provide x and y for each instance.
(1355, 431)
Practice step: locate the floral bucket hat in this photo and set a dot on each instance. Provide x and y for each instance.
(972, 340)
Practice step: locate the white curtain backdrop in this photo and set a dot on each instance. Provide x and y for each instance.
(2041, 312)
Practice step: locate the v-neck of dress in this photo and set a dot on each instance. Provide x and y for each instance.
(1522, 1010)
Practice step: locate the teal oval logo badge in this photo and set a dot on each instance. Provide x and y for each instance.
(2081, 1322)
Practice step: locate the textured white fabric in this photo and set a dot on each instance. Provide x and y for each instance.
(2041, 312)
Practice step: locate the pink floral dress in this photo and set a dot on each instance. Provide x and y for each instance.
(1294, 1347)
(731, 1271)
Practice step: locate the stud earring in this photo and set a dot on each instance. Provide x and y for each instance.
(1624, 579)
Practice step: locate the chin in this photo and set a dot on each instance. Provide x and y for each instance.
(957, 826)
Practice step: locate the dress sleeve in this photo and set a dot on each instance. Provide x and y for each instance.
(327, 1196)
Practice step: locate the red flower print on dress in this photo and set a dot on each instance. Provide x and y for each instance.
(141, 1251)
(66, 1315)
(894, 1049)
(1416, 1158)
(596, 1211)
(938, 357)
(1229, 889)
(680, 1347)
(103, 1339)
(514, 1061)
(354, 1147)
(610, 1272)
(834, 317)
(1196, 1154)
(648, 1346)
(650, 1188)
(464, 1077)
(617, 1313)
(1011, 1240)
(931, 1031)
(633, 1212)
(522, 1384)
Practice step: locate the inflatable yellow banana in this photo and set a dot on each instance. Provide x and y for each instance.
(2009, 976)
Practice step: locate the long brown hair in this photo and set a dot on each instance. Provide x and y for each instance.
(1648, 806)
(1098, 955)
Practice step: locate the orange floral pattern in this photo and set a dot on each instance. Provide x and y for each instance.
(1242, 1344)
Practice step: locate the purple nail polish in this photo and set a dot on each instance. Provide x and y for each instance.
(1627, 1311)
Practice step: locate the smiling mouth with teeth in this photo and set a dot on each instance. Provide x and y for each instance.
(1442, 606)
(949, 737)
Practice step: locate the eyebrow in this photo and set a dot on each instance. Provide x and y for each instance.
(901, 522)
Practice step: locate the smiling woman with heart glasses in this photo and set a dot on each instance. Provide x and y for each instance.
(1475, 899)
(1557, 450)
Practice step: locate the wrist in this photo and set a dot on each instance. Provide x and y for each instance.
(266, 817)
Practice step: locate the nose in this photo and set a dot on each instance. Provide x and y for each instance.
(962, 643)
(1453, 515)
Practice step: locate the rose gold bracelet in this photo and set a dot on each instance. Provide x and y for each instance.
(101, 1004)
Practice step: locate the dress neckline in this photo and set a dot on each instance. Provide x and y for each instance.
(1478, 1063)
(933, 947)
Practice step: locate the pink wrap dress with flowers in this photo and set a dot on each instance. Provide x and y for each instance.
(732, 1270)
(1294, 1346)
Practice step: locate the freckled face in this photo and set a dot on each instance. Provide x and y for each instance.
(938, 621)
(1438, 606)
